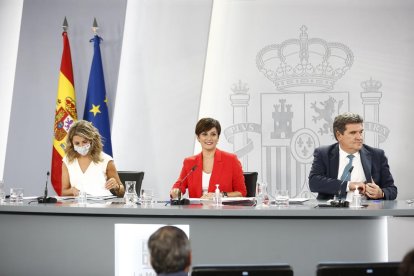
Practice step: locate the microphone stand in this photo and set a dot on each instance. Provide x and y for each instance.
(341, 202)
(178, 200)
(45, 199)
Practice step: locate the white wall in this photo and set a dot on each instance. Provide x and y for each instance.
(379, 35)
(159, 87)
(10, 18)
(32, 114)
(155, 100)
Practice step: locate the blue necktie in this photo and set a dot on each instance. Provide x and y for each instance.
(346, 176)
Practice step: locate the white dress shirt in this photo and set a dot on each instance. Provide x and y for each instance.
(205, 181)
(357, 174)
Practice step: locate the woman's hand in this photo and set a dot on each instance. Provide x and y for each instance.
(75, 191)
(175, 193)
(111, 184)
(207, 196)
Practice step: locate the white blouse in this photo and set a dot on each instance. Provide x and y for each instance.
(93, 180)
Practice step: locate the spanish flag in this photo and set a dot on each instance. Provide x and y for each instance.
(65, 114)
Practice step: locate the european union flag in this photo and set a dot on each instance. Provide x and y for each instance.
(96, 108)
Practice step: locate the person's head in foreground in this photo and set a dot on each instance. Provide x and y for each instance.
(170, 250)
(407, 264)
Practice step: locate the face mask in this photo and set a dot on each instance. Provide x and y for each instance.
(83, 150)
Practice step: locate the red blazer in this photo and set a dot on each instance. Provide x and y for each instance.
(227, 171)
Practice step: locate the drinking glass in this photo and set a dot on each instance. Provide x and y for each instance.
(147, 196)
(282, 197)
(16, 195)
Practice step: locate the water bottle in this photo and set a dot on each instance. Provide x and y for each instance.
(2, 192)
(82, 197)
(356, 198)
(217, 196)
(262, 198)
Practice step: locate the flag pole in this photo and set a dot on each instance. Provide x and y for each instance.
(65, 25)
(95, 26)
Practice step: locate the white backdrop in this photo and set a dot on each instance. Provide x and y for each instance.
(10, 17)
(374, 37)
(159, 88)
(166, 70)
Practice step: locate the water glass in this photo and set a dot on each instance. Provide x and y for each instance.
(147, 196)
(16, 195)
(2, 192)
(281, 197)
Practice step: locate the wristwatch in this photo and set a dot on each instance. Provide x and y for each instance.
(225, 194)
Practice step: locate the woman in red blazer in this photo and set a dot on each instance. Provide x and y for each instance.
(212, 166)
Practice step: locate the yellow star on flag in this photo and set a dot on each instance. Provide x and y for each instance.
(95, 109)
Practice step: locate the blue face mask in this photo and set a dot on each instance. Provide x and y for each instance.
(82, 150)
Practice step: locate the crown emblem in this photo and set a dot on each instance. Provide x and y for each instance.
(371, 85)
(304, 64)
(240, 88)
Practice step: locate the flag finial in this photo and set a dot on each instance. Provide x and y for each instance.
(65, 25)
(95, 26)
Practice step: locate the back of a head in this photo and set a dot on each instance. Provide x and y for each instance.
(407, 264)
(170, 250)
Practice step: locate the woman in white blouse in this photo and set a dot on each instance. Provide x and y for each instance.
(86, 167)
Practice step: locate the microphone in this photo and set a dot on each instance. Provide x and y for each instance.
(45, 199)
(183, 201)
(339, 202)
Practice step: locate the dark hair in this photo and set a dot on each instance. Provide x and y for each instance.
(407, 264)
(342, 120)
(205, 124)
(169, 249)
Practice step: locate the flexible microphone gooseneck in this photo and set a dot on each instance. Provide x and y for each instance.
(339, 202)
(45, 199)
(183, 201)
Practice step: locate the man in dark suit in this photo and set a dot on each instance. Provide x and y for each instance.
(331, 166)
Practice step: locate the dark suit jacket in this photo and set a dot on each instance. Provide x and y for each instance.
(324, 172)
(227, 171)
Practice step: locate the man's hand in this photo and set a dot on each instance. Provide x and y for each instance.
(373, 191)
(360, 185)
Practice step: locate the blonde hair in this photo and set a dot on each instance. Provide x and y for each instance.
(87, 131)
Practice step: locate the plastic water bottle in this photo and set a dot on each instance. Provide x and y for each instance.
(217, 196)
(2, 192)
(82, 197)
(356, 198)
